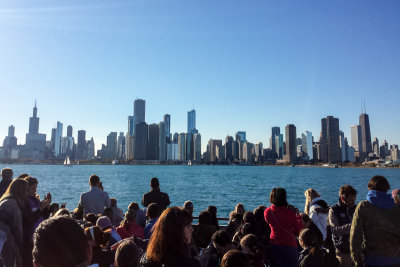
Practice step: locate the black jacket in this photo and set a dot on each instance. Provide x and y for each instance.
(156, 196)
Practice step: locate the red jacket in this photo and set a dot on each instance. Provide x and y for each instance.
(133, 229)
(285, 226)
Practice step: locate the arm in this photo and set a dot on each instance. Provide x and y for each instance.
(335, 227)
(356, 236)
(144, 201)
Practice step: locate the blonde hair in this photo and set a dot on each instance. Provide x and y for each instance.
(18, 190)
(310, 194)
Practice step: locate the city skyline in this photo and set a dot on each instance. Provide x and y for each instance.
(246, 67)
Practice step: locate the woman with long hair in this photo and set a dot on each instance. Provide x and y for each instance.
(11, 205)
(169, 243)
(317, 209)
(129, 227)
(285, 225)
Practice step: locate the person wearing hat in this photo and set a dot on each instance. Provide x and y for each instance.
(105, 224)
(396, 196)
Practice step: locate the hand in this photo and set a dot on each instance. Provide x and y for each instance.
(63, 205)
(44, 204)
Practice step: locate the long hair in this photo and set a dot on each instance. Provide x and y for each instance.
(95, 233)
(167, 243)
(310, 194)
(17, 190)
(130, 216)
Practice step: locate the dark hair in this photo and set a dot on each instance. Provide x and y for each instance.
(94, 180)
(127, 254)
(253, 243)
(247, 228)
(167, 243)
(101, 238)
(278, 197)
(259, 213)
(109, 213)
(60, 241)
(154, 182)
(6, 173)
(17, 189)
(130, 216)
(235, 258)
(249, 217)
(91, 217)
(212, 210)
(308, 237)
(113, 202)
(24, 175)
(347, 190)
(205, 218)
(133, 206)
(222, 238)
(379, 183)
(152, 210)
(31, 180)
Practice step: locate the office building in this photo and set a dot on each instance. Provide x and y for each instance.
(153, 145)
(129, 140)
(167, 120)
(172, 151)
(212, 144)
(307, 145)
(35, 143)
(132, 121)
(329, 141)
(59, 131)
(162, 141)
(140, 141)
(69, 131)
(279, 148)
(275, 131)
(365, 134)
(197, 147)
(241, 136)
(229, 148)
(139, 110)
(375, 147)
(182, 147)
(191, 121)
(121, 146)
(290, 134)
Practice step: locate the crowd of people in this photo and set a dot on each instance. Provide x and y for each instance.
(37, 232)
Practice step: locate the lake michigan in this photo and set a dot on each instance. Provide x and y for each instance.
(221, 186)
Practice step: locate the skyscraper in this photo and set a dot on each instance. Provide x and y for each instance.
(162, 140)
(34, 122)
(69, 131)
(197, 147)
(167, 120)
(356, 141)
(153, 145)
(121, 146)
(212, 144)
(81, 146)
(291, 152)
(112, 145)
(329, 141)
(365, 134)
(132, 121)
(307, 143)
(274, 132)
(229, 148)
(182, 147)
(140, 141)
(191, 121)
(140, 110)
(35, 144)
(241, 136)
(279, 146)
(57, 150)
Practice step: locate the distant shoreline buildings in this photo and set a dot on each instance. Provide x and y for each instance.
(154, 143)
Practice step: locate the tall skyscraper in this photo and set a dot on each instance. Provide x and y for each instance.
(53, 139)
(307, 143)
(197, 147)
(212, 144)
(57, 150)
(274, 132)
(112, 145)
(121, 146)
(291, 151)
(279, 146)
(153, 145)
(129, 140)
(34, 122)
(342, 145)
(241, 136)
(182, 147)
(162, 140)
(191, 121)
(375, 146)
(132, 121)
(90, 148)
(329, 141)
(356, 142)
(167, 120)
(140, 141)
(229, 148)
(69, 131)
(140, 110)
(365, 134)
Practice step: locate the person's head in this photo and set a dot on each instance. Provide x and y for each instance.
(91, 217)
(308, 238)
(130, 217)
(24, 175)
(62, 212)
(154, 183)
(278, 197)
(247, 228)
(205, 218)
(310, 194)
(60, 241)
(104, 223)
(396, 196)
(212, 210)
(188, 205)
(127, 255)
(96, 236)
(113, 202)
(235, 258)
(222, 241)
(109, 213)
(32, 185)
(259, 213)
(171, 236)
(249, 217)
(379, 183)
(347, 195)
(133, 206)
(239, 208)
(6, 174)
(252, 246)
(305, 219)
(94, 180)
(152, 211)
(18, 189)
(54, 207)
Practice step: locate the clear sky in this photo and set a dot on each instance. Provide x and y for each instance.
(243, 65)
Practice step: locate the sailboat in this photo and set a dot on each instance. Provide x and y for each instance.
(67, 162)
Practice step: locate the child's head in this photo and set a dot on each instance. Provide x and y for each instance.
(307, 238)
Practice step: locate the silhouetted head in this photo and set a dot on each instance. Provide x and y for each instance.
(379, 183)
(152, 211)
(94, 180)
(6, 174)
(278, 197)
(127, 254)
(154, 183)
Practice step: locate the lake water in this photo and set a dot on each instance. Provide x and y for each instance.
(221, 186)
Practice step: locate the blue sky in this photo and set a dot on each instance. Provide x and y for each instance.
(243, 65)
